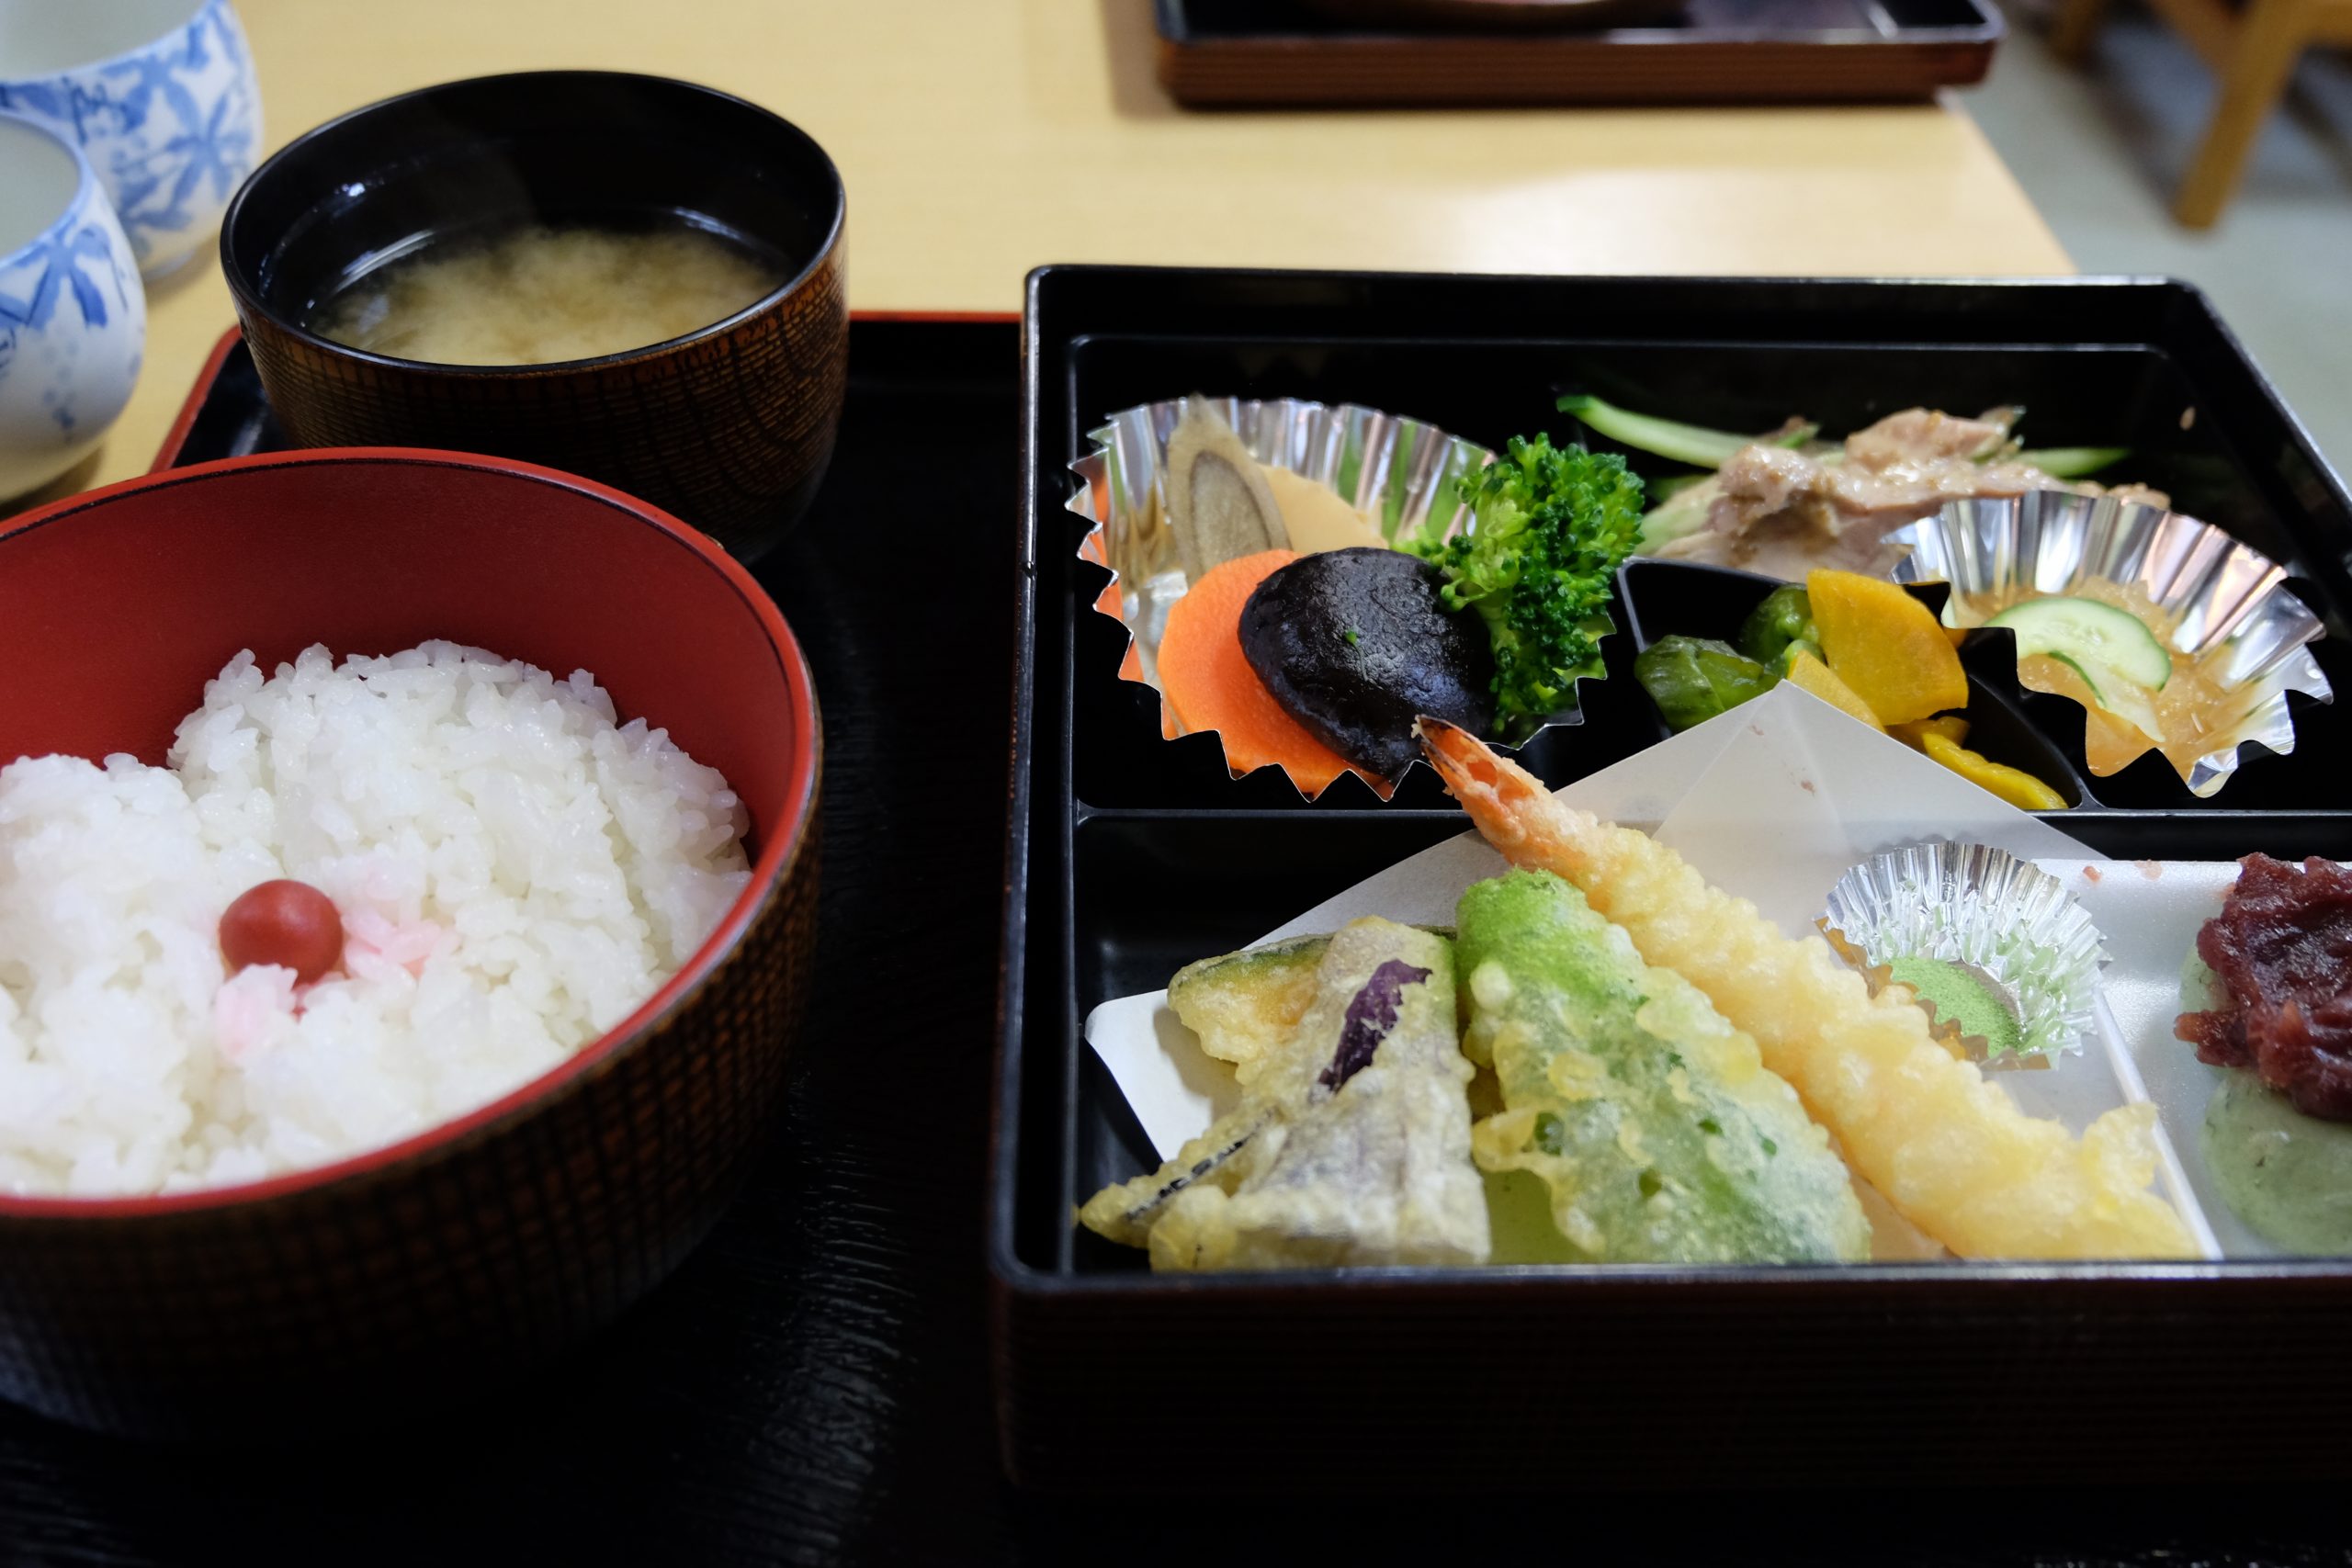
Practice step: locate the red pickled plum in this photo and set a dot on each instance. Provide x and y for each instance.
(288, 924)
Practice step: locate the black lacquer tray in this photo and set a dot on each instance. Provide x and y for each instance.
(227, 416)
(1131, 855)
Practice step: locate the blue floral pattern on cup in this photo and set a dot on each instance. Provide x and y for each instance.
(72, 332)
(171, 128)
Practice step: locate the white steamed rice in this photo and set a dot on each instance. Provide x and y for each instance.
(517, 872)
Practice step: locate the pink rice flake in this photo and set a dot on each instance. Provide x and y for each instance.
(379, 882)
(375, 948)
(248, 1008)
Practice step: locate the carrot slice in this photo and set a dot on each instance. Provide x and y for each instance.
(1209, 685)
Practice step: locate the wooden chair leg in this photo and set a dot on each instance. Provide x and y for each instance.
(2269, 40)
(2077, 29)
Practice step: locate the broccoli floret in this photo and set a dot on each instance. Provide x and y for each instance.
(1549, 528)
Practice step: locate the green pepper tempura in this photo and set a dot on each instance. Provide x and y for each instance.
(1660, 1132)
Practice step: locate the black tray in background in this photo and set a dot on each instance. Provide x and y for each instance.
(1133, 855)
(1279, 53)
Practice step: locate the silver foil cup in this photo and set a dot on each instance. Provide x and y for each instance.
(1400, 473)
(2223, 593)
(2006, 921)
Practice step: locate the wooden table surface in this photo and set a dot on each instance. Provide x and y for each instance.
(979, 138)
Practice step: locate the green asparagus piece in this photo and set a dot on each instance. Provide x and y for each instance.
(2073, 462)
(1690, 444)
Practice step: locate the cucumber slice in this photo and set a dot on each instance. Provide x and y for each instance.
(2116, 694)
(2091, 636)
(2091, 680)
(1690, 444)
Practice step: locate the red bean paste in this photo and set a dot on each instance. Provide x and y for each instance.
(2283, 946)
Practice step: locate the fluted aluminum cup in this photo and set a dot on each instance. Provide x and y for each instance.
(2224, 593)
(2006, 919)
(1400, 473)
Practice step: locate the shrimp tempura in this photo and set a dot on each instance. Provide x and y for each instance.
(1951, 1152)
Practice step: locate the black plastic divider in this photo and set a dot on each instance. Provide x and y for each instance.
(2126, 834)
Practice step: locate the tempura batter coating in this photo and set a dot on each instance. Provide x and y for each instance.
(1660, 1132)
(1243, 1006)
(1951, 1152)
(1353, 1145)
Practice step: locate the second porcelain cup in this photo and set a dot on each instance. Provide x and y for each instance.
(159, 94)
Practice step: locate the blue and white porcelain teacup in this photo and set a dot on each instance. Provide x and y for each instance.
(159, 93)
(73, 316)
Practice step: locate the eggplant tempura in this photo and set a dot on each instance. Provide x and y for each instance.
(1352, 1146)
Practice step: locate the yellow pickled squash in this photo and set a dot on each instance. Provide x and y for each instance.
(1915, 733)
(2015, 786)
(1813, 676)
(1888, 647)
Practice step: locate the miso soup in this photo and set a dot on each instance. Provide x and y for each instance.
(538, 295)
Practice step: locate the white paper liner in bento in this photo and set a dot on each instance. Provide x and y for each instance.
(1773, 801)
(2223, 594)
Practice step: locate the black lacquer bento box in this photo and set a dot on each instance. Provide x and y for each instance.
(1131, 855)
